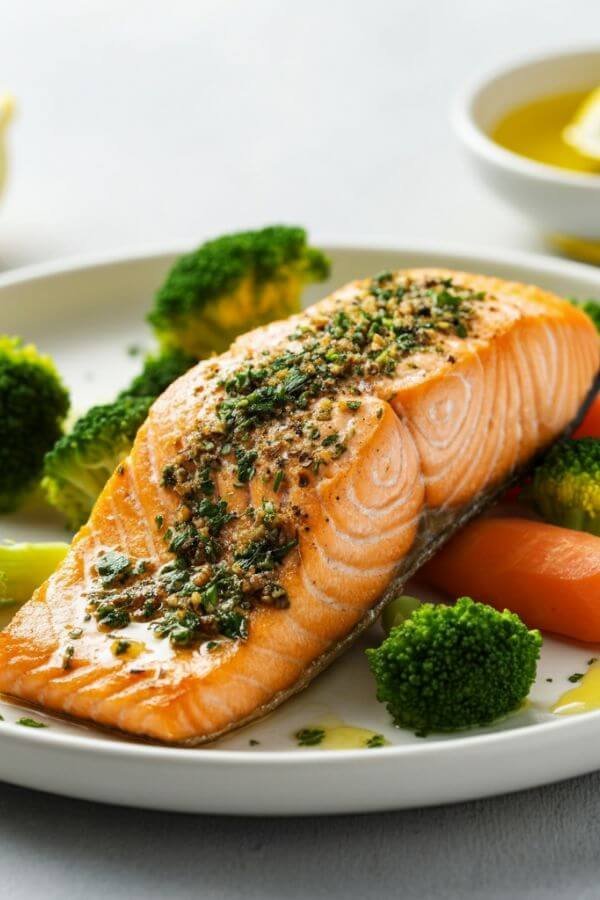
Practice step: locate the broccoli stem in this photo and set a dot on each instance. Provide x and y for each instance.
(398, 610)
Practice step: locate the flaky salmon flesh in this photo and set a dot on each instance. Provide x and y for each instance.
(279, 494)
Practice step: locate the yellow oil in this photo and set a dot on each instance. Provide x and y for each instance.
(338, 735)
(126, 649)
(347, 737)
(535, 131)
(585, 697)
(577, 248)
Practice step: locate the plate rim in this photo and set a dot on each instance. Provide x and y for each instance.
(126, 746)
(383, 243)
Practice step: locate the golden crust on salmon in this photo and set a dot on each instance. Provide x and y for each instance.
(278, 494)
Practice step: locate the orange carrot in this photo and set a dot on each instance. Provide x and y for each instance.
(590, 427)
(550, 576)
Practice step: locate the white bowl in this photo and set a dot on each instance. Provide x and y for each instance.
(564, 204)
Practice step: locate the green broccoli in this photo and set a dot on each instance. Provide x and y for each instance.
(232, 284)
(452, 667)
(80, 464)
(82, 461)
(33, 405)
(566, 485)
(159, 372)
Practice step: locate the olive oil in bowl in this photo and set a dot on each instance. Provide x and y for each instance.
(535, 130)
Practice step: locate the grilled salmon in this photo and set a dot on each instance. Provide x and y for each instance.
(277, 496)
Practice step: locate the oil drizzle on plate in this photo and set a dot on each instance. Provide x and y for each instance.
(585, 697)
(338, 735)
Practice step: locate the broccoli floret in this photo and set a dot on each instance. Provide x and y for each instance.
(81, 462)
(158, 373)
(566, 485)
(232, 284)
(452, 667)
(33, 405)
(23, 567)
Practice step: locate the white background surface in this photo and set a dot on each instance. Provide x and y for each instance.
(147, 122)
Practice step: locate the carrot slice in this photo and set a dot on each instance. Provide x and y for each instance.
(549, 576)
(590, 427)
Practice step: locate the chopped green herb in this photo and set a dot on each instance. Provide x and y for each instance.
(113, 567)
(168, 476)
(309, 737)
(384, 276)
(215, 513)
(67, 657)
(245, 464)
(277, 480)
(30, 723)
(576, 676)
(377, 740)
(108, 615)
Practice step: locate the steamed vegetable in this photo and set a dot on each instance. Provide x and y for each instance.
(24, 567)
(33, 405)
(78, 467)
(82, 461)
(566, 485)
(549, 576)
(232, 284)
(451, 667)
(160, 370)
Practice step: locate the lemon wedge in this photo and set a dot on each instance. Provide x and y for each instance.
(583, 131)
(7, 105)
(6, 111)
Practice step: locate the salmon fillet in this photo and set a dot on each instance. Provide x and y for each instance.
(280, 493)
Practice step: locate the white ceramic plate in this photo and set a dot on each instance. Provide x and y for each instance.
(88, 314)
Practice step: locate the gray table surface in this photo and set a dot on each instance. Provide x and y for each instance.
(147, 123)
